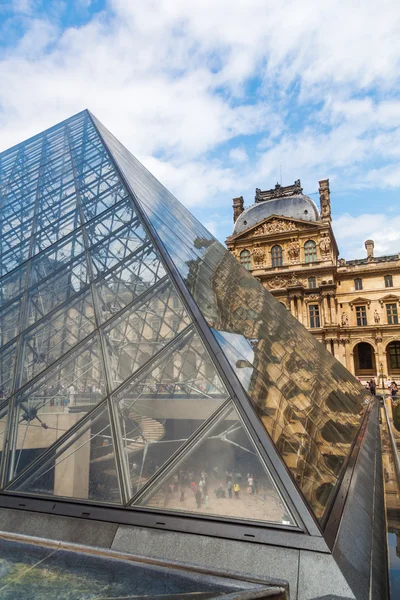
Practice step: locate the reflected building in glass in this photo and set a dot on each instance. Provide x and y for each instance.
(147, 376)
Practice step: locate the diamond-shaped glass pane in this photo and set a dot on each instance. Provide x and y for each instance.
(56, 257)
(47, 409)
(128, 281)
(56, 335)
(72, 469)
(116, 248)
(9, 321)
(160, 409)
(112, 221)
(3, 426)
(55, 290)
(7, 362)
(221, 474)
(12, 285)
(141, 331)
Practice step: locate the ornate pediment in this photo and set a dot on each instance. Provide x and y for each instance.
(389, 298)
(275, 224)
(359, 300)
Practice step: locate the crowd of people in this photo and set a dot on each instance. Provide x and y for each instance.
(390, 385)
(201, 484)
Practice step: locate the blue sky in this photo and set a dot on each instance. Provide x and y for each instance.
(217, 97)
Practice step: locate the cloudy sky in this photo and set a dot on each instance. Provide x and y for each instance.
(218, 97)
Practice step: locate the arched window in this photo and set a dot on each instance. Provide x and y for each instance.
(312, 282)
(245, 259)
(310, 251)
(364, 359)
(276, 256)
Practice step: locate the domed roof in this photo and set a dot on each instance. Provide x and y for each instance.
(297, 206)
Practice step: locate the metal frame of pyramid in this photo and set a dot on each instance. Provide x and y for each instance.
(100, 203)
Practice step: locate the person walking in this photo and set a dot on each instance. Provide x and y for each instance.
(372, 387)
(229, 485)
(236, 489)
(198, 498)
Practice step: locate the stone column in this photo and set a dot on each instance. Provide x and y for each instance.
(326, 310)
(349, 358)
(300, 309)
(335, 314)
(341, 352)
(292, 307)
(305, 315)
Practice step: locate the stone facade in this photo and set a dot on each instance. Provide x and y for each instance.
(350, 306)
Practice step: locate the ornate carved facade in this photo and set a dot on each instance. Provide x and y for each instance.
(351, 306)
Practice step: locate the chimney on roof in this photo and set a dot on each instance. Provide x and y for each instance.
(325, 199)
(238, 207)
(369, 245)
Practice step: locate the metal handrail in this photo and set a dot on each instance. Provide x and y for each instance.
(392, 443)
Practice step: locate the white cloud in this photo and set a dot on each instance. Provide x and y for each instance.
(176, 79)
(238, 155)
(352, 231)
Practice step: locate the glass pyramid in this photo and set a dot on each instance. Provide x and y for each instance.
(141, 365)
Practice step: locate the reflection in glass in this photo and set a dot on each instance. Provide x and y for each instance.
(221, 474)
(162, 408)
(73, 470)
(125, 283)
(3, 425)
(142, 330)
(57, 334)
(47, 409)
(9, 321)
(96, 296)
(294, 384)
(7, 362)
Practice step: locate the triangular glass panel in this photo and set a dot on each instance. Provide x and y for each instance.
(72, 470)
(55, 335)
(220, 474)
(45, 410)
(142, 330)
(161, 408)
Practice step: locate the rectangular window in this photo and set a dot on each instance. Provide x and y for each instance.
(312, 282)
(388, 281)
(361, 314)
(392, 316)
(358, 284)
(314, 315)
